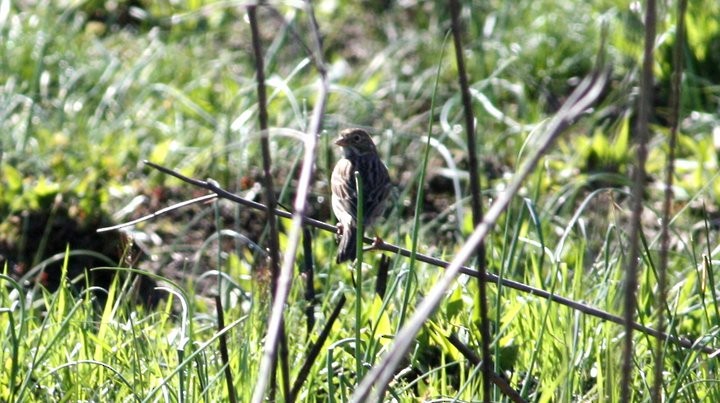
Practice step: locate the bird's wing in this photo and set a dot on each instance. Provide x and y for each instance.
(344, 194)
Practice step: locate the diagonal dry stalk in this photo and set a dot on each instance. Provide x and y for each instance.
(373, 386)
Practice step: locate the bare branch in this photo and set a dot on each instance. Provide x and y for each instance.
(224, 356)
(316, 348)
(495, 378)
(476, 199)
(159, 213)
(308, 271)
(306, 172)
(667, 201)
(489, 277)
(269, 187)
(638, 187)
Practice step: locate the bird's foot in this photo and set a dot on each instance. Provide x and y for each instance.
(377, 243)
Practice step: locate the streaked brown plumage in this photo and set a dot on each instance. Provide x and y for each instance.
(360, 155)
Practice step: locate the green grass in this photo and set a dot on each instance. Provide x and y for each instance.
(83, 102)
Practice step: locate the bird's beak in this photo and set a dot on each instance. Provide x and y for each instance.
(342, 142)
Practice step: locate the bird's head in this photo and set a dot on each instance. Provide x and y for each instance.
(355, 142)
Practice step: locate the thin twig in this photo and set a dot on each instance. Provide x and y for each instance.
(383, 268)
(308, 270)
(495, 378)
(224, 350)
(214, 187)
(270, 201)
(489, 277)
(274, 13)
(638, 188)
(268, 185)
(377, 380)
(476, 199)
(303, 185)
(315, 349)
(160, 212)
(667, 202)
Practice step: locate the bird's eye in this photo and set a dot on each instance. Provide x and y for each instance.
(356, 137)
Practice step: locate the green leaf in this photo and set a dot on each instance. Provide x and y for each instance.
(454, 305)
(160, 152)
(12, 178)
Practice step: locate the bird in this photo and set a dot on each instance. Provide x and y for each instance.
(359, 154)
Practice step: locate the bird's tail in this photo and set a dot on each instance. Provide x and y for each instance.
(347, 246)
